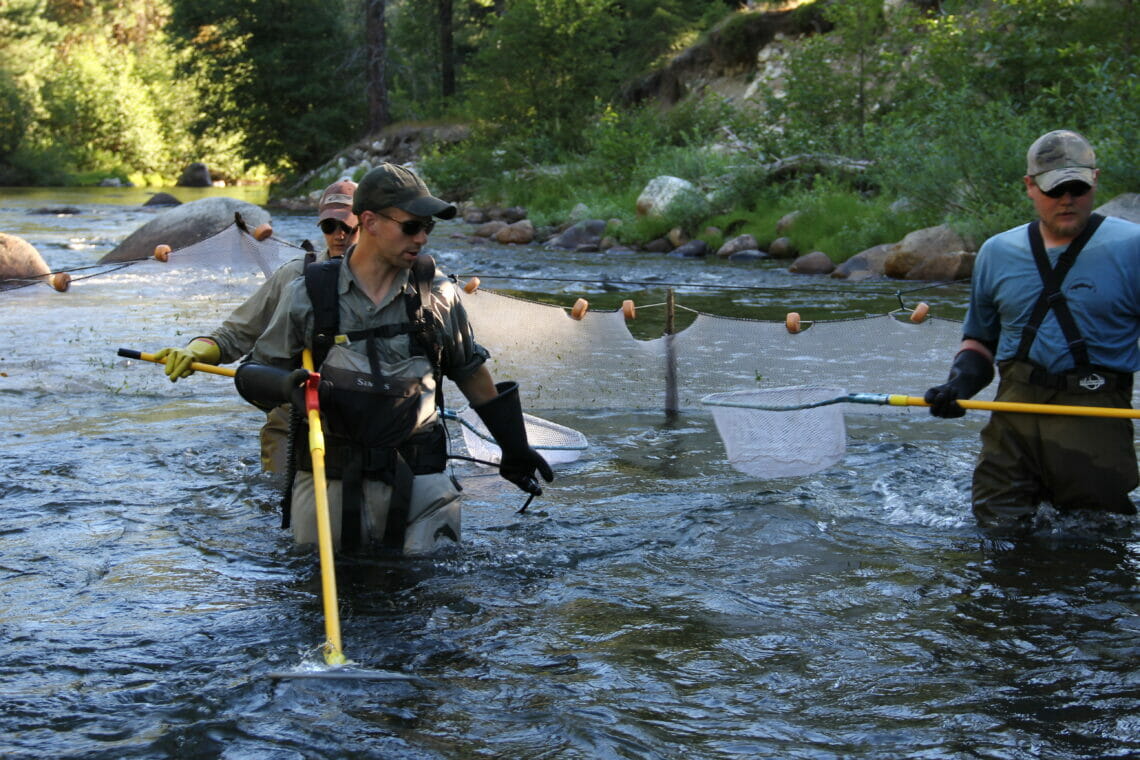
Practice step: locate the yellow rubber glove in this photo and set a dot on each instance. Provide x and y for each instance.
(178, 360)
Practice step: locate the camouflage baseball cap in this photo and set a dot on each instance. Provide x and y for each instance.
(1061, 156)
(336, 203)
(390, 185)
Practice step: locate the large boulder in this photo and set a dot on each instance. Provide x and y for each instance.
(19, 260)
(517, 233)
(196, 174)
(185, 225)
(663, 192)
(928, 243)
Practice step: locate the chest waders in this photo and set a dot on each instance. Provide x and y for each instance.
(1084, 376)
(372, 415)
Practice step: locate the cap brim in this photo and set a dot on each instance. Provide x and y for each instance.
(340, 213)
(1049, 180)
(428, 205)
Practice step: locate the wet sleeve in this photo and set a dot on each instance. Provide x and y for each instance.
(462, 355)
(236, 336)
(283, 339)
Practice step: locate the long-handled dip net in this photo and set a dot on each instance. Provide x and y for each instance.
(764, 430)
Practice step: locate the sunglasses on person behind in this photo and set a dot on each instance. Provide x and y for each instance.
(330, 226)
(1075, 188)
(411, 227)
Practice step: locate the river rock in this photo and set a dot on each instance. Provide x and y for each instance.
(518, 233)
(585, 232)
(783, 248)
(736, 245)
(955, 265)
(694, 249)
(196, 174)
(865, 264)
(786, 221)
(162, 199)
(754, 254)
(816, 262)
(19, 260)
(185, 225)
(929, 242)
(663, 192)
(489, 229)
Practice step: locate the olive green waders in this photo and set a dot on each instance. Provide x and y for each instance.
(1069, 462)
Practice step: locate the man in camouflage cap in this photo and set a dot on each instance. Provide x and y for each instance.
(1056, 303)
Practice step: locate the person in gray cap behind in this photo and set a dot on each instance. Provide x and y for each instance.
(235, 336)
(385, 326)
(1057, 303)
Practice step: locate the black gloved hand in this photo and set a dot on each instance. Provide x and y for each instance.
(504, 419)
(519, 468)
(969, 373)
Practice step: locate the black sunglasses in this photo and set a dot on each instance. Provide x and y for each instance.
(330, 226)
(1074, 188)
(411, 227)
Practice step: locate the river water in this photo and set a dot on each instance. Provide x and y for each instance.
(654, 603)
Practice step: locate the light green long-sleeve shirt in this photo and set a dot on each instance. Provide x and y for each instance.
(236, 336)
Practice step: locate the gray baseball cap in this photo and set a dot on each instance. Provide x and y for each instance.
(1060, 156)
(390, 185)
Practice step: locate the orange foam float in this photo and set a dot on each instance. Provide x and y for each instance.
(581, 306)
(792, 322)
(61, 281)
(162, 252)
(471, 285)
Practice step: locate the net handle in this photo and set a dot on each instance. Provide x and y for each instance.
(894, 399)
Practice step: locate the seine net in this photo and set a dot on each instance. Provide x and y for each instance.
(596, 363)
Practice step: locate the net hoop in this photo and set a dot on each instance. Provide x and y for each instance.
(558, 444)
(780, 444)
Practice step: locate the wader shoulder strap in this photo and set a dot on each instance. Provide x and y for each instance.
(321, 283)
(1051, 296)
(423, 275)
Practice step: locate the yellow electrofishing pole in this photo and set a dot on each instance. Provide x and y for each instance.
(334, 654)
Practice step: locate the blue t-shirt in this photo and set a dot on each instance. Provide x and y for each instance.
(1102, 289)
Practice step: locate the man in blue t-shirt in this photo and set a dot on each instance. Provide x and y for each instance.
(1056, 303)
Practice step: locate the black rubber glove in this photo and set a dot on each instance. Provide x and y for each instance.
(268, 387)
(969, 373)
(504, 419)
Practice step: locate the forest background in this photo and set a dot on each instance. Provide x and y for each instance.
(913, 112)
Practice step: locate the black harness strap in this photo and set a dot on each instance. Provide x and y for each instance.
(1051, 296)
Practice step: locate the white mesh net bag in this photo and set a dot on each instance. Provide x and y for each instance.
(779, 444)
